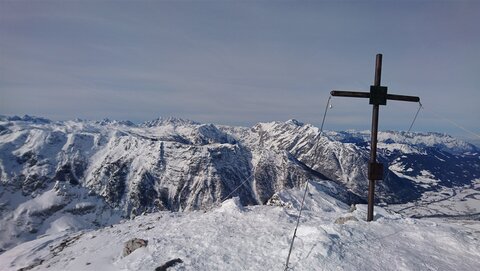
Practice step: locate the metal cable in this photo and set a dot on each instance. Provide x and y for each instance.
(304, 194)
(415, 118)
(296, 227)
(324, 115)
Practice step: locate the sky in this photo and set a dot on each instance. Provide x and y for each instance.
(242, 62)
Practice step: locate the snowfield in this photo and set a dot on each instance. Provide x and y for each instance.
(234, 237)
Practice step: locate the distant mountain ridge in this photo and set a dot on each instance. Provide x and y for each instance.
(56, 175)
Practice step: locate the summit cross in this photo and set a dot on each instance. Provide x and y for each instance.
(378, 96)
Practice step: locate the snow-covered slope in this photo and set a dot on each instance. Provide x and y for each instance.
(80, 174)
(234, 237)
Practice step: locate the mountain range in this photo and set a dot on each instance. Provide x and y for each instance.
(70, 175)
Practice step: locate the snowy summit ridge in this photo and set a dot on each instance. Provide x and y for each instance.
(331, 236)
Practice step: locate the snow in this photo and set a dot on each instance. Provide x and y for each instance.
(25, 218)
(29, 253)
(229, 236)
(404, 148)
(425, 179)
(65, 223)
(454, 203)
(232, 237)
(47, 200)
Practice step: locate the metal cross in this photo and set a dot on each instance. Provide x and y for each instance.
(378, 96)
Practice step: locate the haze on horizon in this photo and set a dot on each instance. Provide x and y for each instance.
(239, 63)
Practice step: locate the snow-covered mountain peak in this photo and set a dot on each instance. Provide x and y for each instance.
(294, 122)
(400, 140)
(26, 118)
(428, 140)
(109, 122)
(163, 121)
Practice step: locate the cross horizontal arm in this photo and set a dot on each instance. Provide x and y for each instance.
(403, 98)
(354, 94)
(359, 94)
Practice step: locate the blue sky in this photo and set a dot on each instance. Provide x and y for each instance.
(239, 63)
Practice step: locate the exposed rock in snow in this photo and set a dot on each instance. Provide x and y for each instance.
(132, 245)
(343, 220)
(169, 264)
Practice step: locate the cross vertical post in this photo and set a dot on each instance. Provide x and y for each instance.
(374, 140)
(378, 96)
